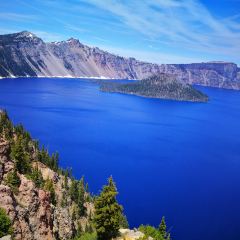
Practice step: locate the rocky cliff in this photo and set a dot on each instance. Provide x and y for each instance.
(39, 200)
(24, 54)
(30, 207)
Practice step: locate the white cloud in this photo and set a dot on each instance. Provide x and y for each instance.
(48, 37)
(9, 30)
(185, 24)
(17, 17)
(150, 56)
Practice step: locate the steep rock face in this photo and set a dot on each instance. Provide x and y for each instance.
(30, 209)
(216, 74)
(24, 206)
(24, 54)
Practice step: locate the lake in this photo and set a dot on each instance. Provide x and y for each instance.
(177, 159)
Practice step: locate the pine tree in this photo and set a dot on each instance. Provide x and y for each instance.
(54, 161)
(20, 156)
(162, 228)
(81, 197)
(73, 190)
(65, 180)
(123, 221)
(6, 125)
(107, 212)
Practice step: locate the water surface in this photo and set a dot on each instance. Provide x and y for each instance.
(177, 159)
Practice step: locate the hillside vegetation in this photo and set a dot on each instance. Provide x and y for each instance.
(39, 200)
(158, 86)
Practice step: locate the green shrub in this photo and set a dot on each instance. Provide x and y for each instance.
(159, 233)
(13, 181)
(48, 186)
(5, 224)
(150, 231)
(50, 161)
(87, 236)
(36, 176)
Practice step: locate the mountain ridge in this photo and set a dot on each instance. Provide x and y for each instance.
(24, 54)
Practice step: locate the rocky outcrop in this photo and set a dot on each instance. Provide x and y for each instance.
(8, 237)
(32, 214)
(24, 54)
(127, 234)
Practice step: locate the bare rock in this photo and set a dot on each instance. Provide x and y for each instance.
(7, 201)
(30, 210)
(63, 224)
(30, 56)
(127, 234)
(8, 237)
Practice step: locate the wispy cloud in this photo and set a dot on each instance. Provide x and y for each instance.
(75, 28)
(17, 17)
(152, 30)
(48, 37)
(150, 56)
(179, 23)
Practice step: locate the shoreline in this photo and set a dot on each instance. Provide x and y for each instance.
(152, 97)
(83, 77)
(108, 78)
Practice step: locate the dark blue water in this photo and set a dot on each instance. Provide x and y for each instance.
(180, 160)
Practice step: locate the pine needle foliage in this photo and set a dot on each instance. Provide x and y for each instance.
(107, 212)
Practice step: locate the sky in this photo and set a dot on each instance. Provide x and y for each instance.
(159, 31)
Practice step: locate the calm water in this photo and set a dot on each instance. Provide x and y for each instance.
(181, 160)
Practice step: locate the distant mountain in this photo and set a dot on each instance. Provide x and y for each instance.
(24, 54)
(158, 86)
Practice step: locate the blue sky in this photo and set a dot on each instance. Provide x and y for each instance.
(162, 31)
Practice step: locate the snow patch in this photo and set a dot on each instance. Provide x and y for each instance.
(65, 76)
(30, 35)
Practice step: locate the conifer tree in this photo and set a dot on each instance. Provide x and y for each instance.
(81, 197)
(73, 190)
(20, 156)
(6, 125)
(163, 229)
(107, 212)
(123, 221)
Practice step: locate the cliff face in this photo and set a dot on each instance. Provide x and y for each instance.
(39, 200)
(29, 207)
(24, 54)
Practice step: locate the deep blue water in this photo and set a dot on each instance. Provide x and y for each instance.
(177, 159)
